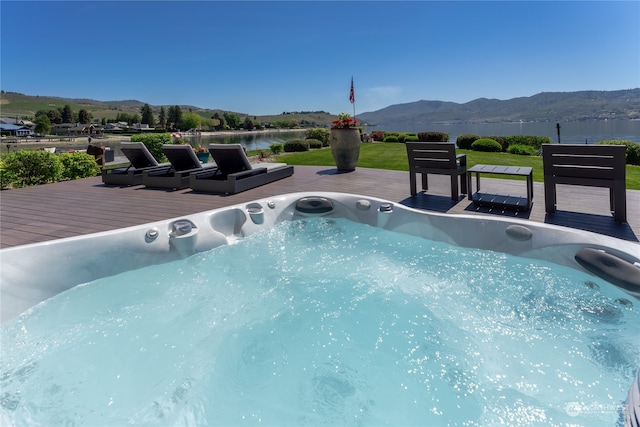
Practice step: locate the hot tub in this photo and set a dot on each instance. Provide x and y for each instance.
(434, 361)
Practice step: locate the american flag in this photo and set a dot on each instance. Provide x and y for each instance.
(352, 96)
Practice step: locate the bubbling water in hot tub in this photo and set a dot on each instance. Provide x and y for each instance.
(326, 321)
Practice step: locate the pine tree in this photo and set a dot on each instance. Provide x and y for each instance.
(162, 119)
(84, 117)
(67, 114)
(147, 115)
(174, 117)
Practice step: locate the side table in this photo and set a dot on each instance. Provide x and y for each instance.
(500, 200)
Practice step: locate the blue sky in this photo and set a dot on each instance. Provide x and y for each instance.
(267, 57)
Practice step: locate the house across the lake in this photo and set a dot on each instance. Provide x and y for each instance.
(15, 130)
(77, 129)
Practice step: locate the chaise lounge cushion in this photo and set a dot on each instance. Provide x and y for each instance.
(230, 158)
(235, 173)
(183, 161)
(182, 157)
(138, 154)
(140, 159)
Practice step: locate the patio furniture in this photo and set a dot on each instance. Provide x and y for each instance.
(101, 154)
(440, 159)
(235, 173)
(500, 200)
(183, 161)
(139, 157)
(588, 165)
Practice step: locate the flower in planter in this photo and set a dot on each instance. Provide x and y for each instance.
(202, 149)
(344, 122)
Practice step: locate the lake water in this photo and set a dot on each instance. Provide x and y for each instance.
(249, 140)
(570, 132)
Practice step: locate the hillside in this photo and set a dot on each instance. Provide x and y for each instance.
(546, 106)
(14, 104)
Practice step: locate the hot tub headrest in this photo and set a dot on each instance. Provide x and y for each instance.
(611, 268)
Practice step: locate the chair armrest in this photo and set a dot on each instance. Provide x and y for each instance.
(462, 159)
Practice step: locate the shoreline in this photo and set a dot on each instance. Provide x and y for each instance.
(83, 140)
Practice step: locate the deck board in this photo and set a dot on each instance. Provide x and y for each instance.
(72, 208)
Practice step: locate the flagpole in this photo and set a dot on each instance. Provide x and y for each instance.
(352, 98)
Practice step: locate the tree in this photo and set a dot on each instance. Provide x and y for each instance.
(147, 115)
(209, 124)
(248, 123)
(174, 117)
(190, 120)
(67, 114)
(232, 119)
(220, 125)
(43, 124)
(125, 117)
(84, 116)
(55, 116)
(162, 119)
(287, 124)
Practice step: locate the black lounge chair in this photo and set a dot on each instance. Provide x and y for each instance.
(235, 173)
(183, 161)
(140, 159)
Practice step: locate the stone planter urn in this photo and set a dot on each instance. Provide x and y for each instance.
(345, 148)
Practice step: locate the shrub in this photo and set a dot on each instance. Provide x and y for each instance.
(406, 136)
(321, 134)
(632, 153)
(390, 138)
(523, 150)
(377, 135)
(465, 140)
(532, 141)
(486, 144)
(296, 145)
(78, 165)
(6, 178)
(433, 137)
(276, 148)
(502, 140)
(154, 142)
(314, 143)
(24, 168)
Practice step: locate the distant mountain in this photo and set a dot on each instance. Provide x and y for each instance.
(546, 106)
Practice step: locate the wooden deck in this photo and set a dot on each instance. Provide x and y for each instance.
(72, 208)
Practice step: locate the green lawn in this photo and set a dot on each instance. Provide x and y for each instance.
(393, 156)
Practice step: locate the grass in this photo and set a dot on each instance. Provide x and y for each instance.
(393, 156)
